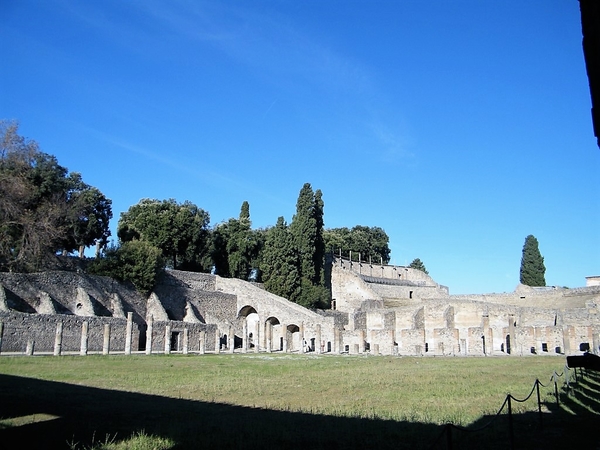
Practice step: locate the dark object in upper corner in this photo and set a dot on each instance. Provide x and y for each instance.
(587, 361)
(590, 28)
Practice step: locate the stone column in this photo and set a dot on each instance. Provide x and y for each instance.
(29, 348)
(85, 326)
(149, 331)
(168, 339)
(217, 341)
(231, 340)
(257, 337)
(318, 339)
(284, 335)
(268, 336)
(58, 339)
(245, 336)
(361, 344)
(185, 341)
(128, 333)
(511, 334)
(1, 333)
(336, 340)
(106, 343)
(202, 343)
(301, 350)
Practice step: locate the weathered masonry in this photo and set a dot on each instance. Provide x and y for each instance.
(376, 309)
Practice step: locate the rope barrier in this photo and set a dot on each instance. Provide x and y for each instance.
(507, 402)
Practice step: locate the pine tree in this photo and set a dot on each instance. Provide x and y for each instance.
(418, 264)
(307, 234)
(532, 264)
(279, 264)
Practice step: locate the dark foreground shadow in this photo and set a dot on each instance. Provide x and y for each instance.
(572, 422)
(51, 415)
(85, 415)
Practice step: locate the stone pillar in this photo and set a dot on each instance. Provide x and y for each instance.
(1, 333)
(301, 350)
(336, 340)
(231, 340)
(128, 333)
(185, 341)
(361, 343)
(318, 339)
(85, 327)
(257, 337)
(245, 336)
(373, 335)
(202, 343)
(29, 348)
(106, 343)
(594, 350)
(217, 341)
(58, 339)
(511, 335)
(168, 339)
(149, 331)
(284, 334)
(268, 336)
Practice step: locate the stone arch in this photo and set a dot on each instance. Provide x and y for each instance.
(273, 334)
(251, 328)
(294, 338)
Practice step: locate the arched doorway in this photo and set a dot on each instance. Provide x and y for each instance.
(250, 328)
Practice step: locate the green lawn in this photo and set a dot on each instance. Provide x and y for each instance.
(289, 401)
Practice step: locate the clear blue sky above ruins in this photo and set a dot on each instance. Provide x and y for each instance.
(459, 127)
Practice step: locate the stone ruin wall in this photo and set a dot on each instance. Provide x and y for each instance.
(199, 312)
(21, 330)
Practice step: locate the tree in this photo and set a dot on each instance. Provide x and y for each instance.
(532, 264)
(279, 264)
(43, 207)
(138, 262)
(418, 264)
(180, 231)
(369, 242)
(307, 237)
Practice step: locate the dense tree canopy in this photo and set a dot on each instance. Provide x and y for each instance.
(369, 242)
(180, 231)
(44, 208)
(532, 271)
(138, 262)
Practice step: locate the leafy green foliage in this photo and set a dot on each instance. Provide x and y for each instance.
(418, 264)
(180, 231)
(370, 242)
(43, 208)
(136, 261)
(532, 271)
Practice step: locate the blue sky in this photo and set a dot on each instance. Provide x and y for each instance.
(459, 127)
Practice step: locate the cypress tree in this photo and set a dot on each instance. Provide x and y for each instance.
(532, 264)
(279, 263)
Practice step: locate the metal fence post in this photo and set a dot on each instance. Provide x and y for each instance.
(510, 424)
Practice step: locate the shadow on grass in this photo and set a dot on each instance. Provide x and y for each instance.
(51, 415)
(85, 414)
(570, 423)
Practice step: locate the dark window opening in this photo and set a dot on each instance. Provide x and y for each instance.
(175, 341)
(584, 347)
(544, 347)
(426, 347)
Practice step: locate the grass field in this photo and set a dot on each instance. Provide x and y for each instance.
(290, 401)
